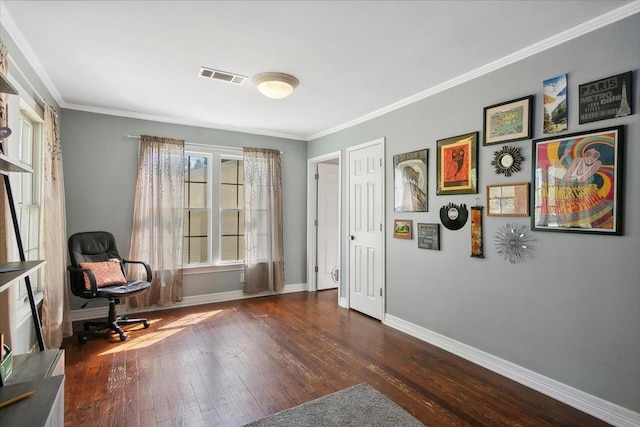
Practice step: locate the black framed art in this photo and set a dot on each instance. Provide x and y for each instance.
(578, 182)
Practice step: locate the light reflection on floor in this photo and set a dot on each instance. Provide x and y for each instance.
(144, 339)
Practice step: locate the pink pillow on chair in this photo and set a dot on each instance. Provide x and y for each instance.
(108, 273)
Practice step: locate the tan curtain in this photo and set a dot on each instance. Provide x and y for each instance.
(158, 220)
(7, 298)
(56, 315)
(264, 250)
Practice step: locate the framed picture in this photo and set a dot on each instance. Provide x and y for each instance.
(508, 199)
(402, 228)
(477, 250)
(578, 182)
(457, 164)
(508, 121)
(555, 104)
(605, 99)
(429, 236)
(410, 181)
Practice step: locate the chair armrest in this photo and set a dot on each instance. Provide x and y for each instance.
(80, 276)
(146, 267)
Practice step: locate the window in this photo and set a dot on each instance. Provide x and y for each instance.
(26, 188)
(214, 200)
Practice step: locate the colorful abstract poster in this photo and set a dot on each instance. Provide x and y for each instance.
(605, 99)
(577, 182)
(556, 116)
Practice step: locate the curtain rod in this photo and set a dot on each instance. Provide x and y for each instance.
(199, 145)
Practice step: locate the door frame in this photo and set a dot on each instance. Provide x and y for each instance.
(312, 208)
(346, 273)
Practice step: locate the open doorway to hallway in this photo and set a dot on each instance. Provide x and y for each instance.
(324, 223)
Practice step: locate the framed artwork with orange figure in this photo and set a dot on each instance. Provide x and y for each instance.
(457, 167)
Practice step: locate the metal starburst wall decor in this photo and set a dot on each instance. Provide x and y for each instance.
(513, 242)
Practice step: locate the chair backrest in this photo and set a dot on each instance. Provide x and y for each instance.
(92, 246)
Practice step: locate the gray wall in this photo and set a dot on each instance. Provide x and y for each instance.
(573, 312)
(100, 166)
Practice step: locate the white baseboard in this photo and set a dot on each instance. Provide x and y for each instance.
(342, 302)
(592, 405)
(101, 312)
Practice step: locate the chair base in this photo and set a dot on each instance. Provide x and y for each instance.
(113, 324)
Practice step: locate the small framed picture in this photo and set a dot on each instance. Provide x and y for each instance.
(457, 166)
(605, 98)
(402, 228)
(556, 115)
(428, 236)
(508, 121)
(508, 199)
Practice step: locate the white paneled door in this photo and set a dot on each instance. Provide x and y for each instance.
(366, 194)
(328, 225)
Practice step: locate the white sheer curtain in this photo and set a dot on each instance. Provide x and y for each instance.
(158, 220)
(56, 316)
(264, 250)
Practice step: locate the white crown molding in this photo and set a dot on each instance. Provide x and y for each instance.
(572, 33)
(176, 121)
(563, 37)
(593, 405)
(9, 24)
(189, 301)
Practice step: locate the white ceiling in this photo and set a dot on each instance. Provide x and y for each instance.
(354, 59)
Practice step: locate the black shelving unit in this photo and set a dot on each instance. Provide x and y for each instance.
(11, 272)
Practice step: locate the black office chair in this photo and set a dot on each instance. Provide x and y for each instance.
(106, 278)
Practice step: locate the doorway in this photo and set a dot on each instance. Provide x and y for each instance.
(324, 223)
(365, 173)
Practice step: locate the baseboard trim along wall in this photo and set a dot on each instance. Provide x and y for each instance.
(599, 408)
(101, 312)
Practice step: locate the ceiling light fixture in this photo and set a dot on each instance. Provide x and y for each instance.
(275, 85)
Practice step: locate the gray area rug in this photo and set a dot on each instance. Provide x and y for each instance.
(360, 405)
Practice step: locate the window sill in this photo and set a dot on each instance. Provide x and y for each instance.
(205, 269)
(23, 311)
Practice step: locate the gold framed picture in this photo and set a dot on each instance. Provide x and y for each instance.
(508, 199)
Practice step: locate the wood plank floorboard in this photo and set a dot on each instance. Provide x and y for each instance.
(231, 363)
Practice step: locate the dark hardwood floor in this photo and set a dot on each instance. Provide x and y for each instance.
(231, 363)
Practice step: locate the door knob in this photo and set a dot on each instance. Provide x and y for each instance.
(352, 237)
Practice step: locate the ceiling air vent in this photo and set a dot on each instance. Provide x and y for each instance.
(209, 73)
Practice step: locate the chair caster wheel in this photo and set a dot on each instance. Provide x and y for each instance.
(82, 339)
(123, 337)
(145, 324)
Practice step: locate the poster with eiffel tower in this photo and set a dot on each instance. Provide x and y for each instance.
(605, 98)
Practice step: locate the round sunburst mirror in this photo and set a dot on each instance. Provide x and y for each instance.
(507, 160)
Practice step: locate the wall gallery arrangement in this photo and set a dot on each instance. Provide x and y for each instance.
(576, 179)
